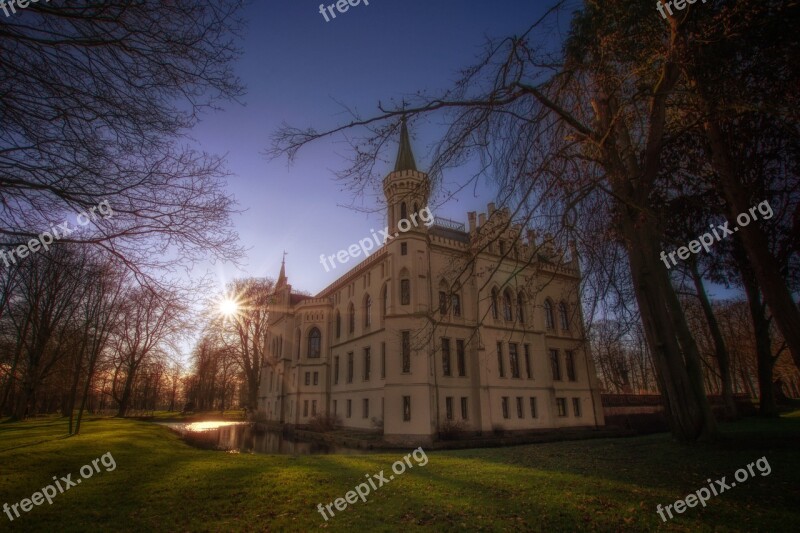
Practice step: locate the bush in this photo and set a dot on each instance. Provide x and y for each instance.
(324, 423)
(451, 430)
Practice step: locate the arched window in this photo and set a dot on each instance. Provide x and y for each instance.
(549, 319)
(507, 306)
(403, 211)
(352, 318)
(338, 324)
(494, 303)
(455, 304)
(367, 310)
(314, 343)
(521, 308)
(416, 209)
(443, 303)
(564, 316)
(384, 300)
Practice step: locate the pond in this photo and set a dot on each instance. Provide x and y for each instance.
(241, 437)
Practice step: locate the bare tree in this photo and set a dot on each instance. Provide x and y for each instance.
(148, 323)
(245, 331)
(96, 103)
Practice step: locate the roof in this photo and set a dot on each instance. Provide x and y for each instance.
(405, 157)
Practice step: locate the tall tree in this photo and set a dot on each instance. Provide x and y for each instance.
(96, 102)
(245, 330)
(148, 323)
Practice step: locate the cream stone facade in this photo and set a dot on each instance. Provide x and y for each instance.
(445, 327)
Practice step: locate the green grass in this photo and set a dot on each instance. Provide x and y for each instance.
(161, 484)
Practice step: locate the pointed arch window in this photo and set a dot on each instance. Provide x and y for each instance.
(314, 343)
(549, 319)
(521, 308)
(494, 303)
(384, 301)
(563, 314)
(403, 211)
(507, 316)
(338, 324)
(367, 311)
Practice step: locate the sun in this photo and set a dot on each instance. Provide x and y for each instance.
(228, 307)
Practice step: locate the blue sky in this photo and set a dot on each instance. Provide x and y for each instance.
(300, 69)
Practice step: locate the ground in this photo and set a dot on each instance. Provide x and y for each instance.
(161, 484)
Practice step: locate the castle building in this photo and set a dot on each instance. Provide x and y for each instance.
(444, 328)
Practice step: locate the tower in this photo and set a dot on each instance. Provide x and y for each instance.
(406, 189)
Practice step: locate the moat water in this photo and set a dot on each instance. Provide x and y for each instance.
(241, 437)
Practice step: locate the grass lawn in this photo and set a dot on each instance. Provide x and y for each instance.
(161, 484)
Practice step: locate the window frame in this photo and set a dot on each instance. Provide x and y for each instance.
(446, 367)
(513, 357)
(461, 358)
(350, 366)
(555, 365)
(569, 361)
(549, 317)
(314, 343)
(405, 291)
(561, 407)
(501, 371)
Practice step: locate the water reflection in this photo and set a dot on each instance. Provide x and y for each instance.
(241, 437)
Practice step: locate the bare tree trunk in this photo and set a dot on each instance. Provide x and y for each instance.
(765, 360)
(124, 400)
(679, 375)
(721, 351)
(766, 270)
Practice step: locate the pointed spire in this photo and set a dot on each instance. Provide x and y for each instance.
(405, 157)
(282, 275)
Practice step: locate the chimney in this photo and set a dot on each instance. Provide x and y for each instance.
(471, 216)
(491, 208)
(481, 219)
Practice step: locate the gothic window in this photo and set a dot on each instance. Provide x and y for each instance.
(405, 291)
(564, 316)
(314, 343)
(549, 319)
(507, 306)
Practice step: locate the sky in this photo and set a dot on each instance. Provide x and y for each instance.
(301, 70)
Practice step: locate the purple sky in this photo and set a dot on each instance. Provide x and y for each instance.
(299, 69)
